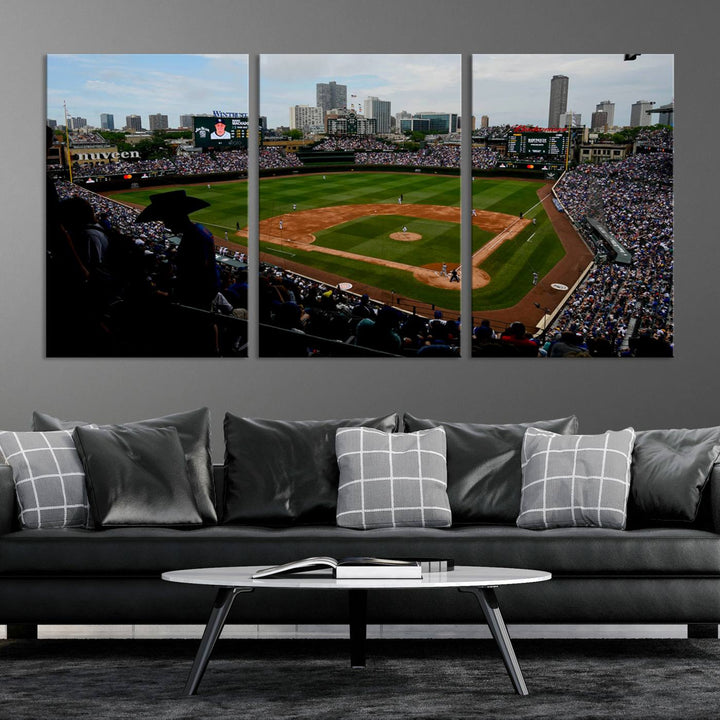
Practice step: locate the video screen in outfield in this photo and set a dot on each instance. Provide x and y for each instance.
(546, 144)
(219, 131)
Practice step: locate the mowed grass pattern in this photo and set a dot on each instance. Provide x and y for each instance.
(510, 267)
(277, 195)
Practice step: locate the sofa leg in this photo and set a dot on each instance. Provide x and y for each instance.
(702, 630)
(22, 631)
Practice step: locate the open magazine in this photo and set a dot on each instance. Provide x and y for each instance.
(348, 568)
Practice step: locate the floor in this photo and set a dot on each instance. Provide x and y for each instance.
(341, 631)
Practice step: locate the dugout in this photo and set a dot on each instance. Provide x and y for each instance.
(617, 252)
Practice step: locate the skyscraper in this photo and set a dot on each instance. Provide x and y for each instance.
(609, 108)
(306, 118)
(186, 121)
(639, 116)
(331, 95)
(558, 99)
(570, 119)
(599, 121)
(158, 121)
(380, 110)
(133, 122)
(107, 121)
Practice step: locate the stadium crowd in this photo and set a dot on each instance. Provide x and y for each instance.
(113, 284)
(629, 308)
(301, 305)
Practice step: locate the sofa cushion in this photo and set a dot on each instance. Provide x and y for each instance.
(484, 474)
(392, 479)
(136, 476)
(132, 552)
(193, 428)
(281, 472)
(49, 478)
(669, 472)
(575, 480)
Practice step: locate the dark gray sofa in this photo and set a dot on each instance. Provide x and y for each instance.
(640, 575)
(275, 501)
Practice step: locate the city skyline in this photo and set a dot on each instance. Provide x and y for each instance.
(510, 89)
(414, 83)
(168, 84)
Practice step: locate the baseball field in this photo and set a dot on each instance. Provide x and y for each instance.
(391, 234)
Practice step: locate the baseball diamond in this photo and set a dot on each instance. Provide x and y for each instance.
(396, 236)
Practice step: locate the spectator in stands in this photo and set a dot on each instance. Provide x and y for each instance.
(516, 337)
(381, 333)
(197, 277)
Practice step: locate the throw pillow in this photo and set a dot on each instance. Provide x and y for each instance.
(392, 479)
(136, 476)
(483, 466)
(284, 472)
(575, 480)
(49, 478)
(194, 431)
(669, 472)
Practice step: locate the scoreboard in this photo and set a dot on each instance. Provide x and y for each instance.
(221, 131)
(551, 145)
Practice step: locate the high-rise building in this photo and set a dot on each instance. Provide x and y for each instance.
(107, 121)
(186, 121)
(599, 121)
(307, 118)
(484, 121)
(133, 122)
(558, 99)
(570, 119)
(330, 95)
(639, 116)
(76, 123)
(52, 124)
(158, 121)
(380, 111)
(609, 108)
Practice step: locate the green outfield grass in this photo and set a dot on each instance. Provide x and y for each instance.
(510, 268)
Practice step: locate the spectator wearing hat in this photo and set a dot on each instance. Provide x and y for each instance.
(197, 278)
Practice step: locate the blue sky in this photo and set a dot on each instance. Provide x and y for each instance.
(507, 88)
(145, 84)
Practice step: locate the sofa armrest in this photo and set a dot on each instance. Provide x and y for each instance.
(715, 496)
(7, 499)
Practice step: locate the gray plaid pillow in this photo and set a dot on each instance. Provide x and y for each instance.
(575, 480)
(49, 478)
(392, 479)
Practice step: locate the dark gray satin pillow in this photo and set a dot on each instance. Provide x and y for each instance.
(193, 428)
(669, 472)
(136, 476)
(285, 472)
(484, 468)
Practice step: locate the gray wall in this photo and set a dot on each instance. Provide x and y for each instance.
(613, 393)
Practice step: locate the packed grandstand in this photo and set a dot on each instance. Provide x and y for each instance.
(616, 310)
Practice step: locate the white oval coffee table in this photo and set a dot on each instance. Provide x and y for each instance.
(479, 581)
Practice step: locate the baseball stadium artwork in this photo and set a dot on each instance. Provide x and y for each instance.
(360, 215)
(147, 192)
(584, 266)
(360, 241)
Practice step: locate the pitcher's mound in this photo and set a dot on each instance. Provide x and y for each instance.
(406, 236)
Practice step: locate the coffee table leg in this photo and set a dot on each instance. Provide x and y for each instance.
(489, 605)
(221, 608)
(357, 601)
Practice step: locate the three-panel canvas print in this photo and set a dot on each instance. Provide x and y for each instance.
(376, 206)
